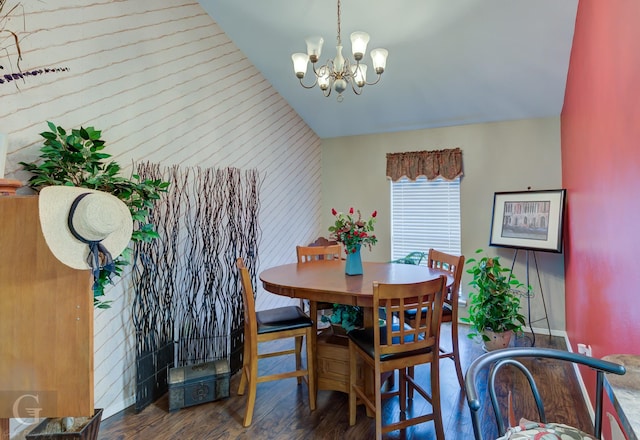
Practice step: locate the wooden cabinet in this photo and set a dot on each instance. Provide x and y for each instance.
(46, 321)
(332, 362)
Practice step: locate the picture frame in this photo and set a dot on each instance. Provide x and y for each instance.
(531, 220)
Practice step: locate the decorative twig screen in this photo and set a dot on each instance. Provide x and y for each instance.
(188, 302)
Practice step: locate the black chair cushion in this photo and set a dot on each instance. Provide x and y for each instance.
(363, 338)
(282, 318)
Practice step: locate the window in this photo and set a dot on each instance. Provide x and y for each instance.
(425, 214)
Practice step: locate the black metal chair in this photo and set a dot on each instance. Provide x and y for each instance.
(495, 360)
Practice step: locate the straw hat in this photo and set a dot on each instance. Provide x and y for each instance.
(98, 217)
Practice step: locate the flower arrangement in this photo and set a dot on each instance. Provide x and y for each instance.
(353, 232)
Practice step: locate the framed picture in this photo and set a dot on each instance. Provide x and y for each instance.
(530, 220)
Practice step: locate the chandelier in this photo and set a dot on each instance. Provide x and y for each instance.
(339, 72)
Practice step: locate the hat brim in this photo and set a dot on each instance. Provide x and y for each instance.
(54, 204)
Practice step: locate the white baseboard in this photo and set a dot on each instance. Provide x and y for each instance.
(545, 332)
(583, 388)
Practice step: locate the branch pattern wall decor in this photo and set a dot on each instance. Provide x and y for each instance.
(188, 307)
(10, 47)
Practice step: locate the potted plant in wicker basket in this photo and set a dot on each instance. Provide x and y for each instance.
(344, 318)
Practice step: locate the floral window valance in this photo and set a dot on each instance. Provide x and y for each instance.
(431, 164)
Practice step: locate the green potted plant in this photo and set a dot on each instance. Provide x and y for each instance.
(347, 317)
(494, 306)
(76, 158)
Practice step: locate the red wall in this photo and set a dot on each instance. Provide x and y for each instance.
(600, 133)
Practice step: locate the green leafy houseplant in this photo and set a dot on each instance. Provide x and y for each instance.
(349, 317)
(76, 158)
(493, 305)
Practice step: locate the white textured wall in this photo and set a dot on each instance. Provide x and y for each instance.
(165, 84)
(501, 156)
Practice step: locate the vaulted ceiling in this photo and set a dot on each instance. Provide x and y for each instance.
(451, 62)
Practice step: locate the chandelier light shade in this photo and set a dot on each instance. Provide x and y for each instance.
(339, 73)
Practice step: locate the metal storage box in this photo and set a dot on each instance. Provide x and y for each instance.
(195, 384)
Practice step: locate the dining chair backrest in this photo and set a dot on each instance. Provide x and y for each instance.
(395, 300)
(315, 253)
(248, 302)
(451, 263)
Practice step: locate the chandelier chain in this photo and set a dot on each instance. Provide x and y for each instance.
(339, 38)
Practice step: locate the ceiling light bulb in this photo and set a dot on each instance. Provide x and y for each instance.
(314, 47)
(379, 57)
(359, 72)
(359, 41)
(300, 64)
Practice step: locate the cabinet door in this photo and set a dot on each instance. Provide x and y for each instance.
(46, 322)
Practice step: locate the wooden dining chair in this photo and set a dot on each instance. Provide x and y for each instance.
(318, 253)
(455, 265)
(398, 346)
(269, 325)
(326, 251)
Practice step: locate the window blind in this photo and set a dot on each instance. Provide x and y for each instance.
(425, 214)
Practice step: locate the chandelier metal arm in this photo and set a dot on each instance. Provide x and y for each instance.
(376, 81)
(311, 86)
(356, 88)
(365, 83)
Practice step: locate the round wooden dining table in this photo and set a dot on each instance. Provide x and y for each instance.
(325, 281)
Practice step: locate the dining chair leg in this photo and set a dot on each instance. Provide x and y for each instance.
(311, 367)
(456, 354)
(402, 387)
(251, 396)
(435, 399)
(378, 405)
(410, 373)
(298, 340)
(245, 369)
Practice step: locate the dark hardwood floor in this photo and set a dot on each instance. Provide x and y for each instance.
(282, 410)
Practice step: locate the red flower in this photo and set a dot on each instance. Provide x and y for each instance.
(374, 213)
(334, 212)
(350, 210)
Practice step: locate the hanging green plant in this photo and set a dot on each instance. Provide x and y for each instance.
(76, 158)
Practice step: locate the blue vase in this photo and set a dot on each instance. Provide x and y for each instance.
(354, 263)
